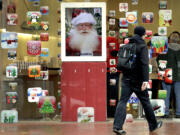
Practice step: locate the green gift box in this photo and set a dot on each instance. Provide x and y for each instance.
(162, 94)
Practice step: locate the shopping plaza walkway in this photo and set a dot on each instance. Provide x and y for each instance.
(138, 127)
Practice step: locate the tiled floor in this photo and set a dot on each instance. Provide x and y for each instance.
(138, 127)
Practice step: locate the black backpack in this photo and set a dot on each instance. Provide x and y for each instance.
(126, 57)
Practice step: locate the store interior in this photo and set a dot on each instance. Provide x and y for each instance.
(48, 32)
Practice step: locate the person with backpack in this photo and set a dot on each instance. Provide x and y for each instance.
(135, 79)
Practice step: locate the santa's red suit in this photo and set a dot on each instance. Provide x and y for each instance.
(75, 52)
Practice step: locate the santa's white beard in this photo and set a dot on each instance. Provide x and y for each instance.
(86, 43)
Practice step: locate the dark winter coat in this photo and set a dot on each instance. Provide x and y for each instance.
(173, 60)
(141, 71)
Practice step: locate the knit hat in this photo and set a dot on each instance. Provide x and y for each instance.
(140, 30)
(83, 18)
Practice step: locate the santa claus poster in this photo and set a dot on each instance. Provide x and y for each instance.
(147, 17)
(81, 40)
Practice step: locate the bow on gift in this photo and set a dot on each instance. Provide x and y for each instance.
(9, 41)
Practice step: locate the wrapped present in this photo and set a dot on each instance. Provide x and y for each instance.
(34, 47)
(11, 97)
(44, 36)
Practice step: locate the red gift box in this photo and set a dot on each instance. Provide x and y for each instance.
(44, 36)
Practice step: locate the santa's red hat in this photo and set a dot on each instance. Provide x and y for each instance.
(83, 18)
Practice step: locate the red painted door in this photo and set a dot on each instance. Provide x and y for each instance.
(83, 84)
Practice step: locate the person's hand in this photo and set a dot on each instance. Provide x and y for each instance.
(144, 86)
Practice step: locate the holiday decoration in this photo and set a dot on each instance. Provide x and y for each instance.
(158, 106)
(162, 4)
(134, 2)
(131, 17)
(123, 33)
(123, 7)
(11, 97)
(133, 98)
(112, 33)
(45, 92)
(13, 85)
(12, 19)
(113, 69)
(159, 44)
(112, 13)
(123, 22)
(168, 76)
(85, 114)
(11, 72)
(112, 62)
(43, 75)
(162, 94)
(112, 82)
(112, 102)
(9, 40)
(11, 54)
(44, 10)
(161, 69)
(34, 47)
(11, 8)
(34, 94)
(149, 86)
(44, 36)
(47, 104)
(165, 18)
(9, 116)
(44, 25)
(112, 21)
(34, 71)
(148, 34)
(112, 46)
(33, 18)
(162, 31)
(44, 52)
(147, 17)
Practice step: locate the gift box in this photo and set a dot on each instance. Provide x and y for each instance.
(34, 47)
(11, 97)
(44, 36)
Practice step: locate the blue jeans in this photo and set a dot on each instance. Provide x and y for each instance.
(167, 87)
(177, 95)
(127, 88)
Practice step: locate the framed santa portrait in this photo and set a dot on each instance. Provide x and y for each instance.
(83, 31)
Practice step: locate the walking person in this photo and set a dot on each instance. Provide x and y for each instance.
(136, 80)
